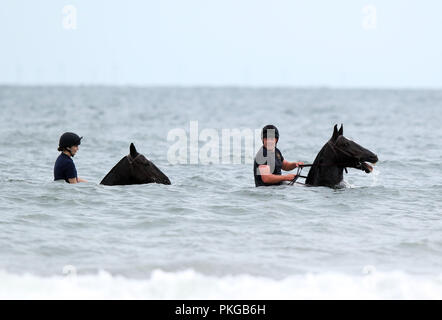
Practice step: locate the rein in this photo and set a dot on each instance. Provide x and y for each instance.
(298, 175)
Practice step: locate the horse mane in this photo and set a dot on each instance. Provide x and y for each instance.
(113, 176)
(315, 165)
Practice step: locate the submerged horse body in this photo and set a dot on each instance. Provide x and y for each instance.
(134, 169)
(338, 154)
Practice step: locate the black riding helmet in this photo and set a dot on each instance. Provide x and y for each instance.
(69, 139)
(271, 130)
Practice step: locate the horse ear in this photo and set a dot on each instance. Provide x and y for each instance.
(341, 131)
(335, 132)
(133, 151)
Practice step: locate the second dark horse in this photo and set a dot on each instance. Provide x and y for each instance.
(336, 155)
(134, 169)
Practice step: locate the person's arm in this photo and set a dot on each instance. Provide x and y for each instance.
(71, 173)
(268, 177)
(72, 180)
(76, 180)
(287, 166)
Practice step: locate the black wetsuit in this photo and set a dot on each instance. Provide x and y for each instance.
(272, 159)
(64, 168)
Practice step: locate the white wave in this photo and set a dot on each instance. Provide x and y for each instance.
(191, 285)
(375, 174)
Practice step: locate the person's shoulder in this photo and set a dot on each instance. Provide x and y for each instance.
(65, 159)
(259, 157)
(260, 151)
(280, 153)
(59, 158)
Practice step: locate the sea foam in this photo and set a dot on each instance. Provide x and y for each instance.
(192, 285)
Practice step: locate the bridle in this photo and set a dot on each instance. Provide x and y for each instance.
(334, 147)
(132, 160)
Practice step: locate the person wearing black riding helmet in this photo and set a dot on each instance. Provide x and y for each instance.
(64, 168)
(269, 160)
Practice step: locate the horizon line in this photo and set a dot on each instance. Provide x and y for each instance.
(215, 86)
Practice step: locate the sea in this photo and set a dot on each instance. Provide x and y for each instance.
(212, 234)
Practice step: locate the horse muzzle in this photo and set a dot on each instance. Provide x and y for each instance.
(363, 165)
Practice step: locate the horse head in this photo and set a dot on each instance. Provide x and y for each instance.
(335, 156)
(349, 154)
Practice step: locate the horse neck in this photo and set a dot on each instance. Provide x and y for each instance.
(120, 174)
(325, 171)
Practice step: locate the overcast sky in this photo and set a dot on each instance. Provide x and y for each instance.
(339, 43)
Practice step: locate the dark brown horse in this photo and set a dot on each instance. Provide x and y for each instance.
(134, 169)
(338, 154)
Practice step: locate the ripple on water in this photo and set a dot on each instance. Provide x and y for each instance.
(212, 218)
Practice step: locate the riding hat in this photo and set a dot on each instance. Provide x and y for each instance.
(69, 139)
(270, 130)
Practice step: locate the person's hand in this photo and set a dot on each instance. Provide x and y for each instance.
(299, 164)
(290, 177)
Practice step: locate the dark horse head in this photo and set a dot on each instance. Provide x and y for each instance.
(134, 169)
(336, 155)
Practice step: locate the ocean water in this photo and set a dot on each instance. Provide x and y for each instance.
(212, 234)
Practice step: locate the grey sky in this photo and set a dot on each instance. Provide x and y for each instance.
(223, 42)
